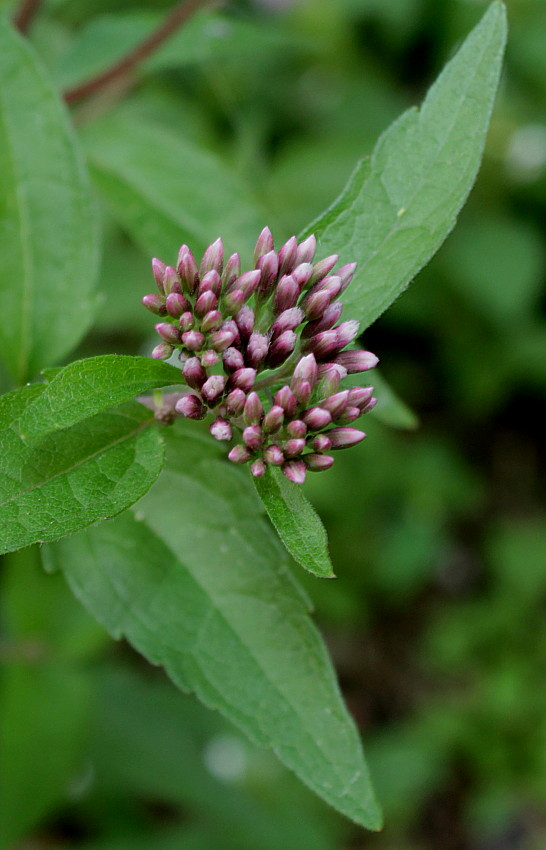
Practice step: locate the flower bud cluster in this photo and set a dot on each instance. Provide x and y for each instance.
(263, 351)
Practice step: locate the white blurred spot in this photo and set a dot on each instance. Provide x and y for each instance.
(526, 153)
(225, 757)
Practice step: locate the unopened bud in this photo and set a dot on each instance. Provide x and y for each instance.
(306, 369)
(186, 321)
(281, 348)
(323, 345)
(264, 244)
(269, 267)
(221, 339)
(330, 375)
(349, 415)
(176, 304)
(345, 274)
(287, 321)
(232, 270)
(211, 321)
(233, 359)
(368, 406)
(190, 406)
(286, 294)
(322, 268)
(194, 373)
(187, 269)
(253, 437)
(168, 333)
(346, 332)
(158, 269)
(274, 455)
(335, 404)
(245, 322)
(211, 282)
(356, 361)
(240, 454)
(171, 281)
(253, 410)
(296, 428)
(193, 340)
(294, 447)
(302, 275)
(316, 303)
(235, 402)
(325, 322)
(321, 443)
(210, 358)
(213, 389)
(248, 282)
(344, 438)
(256, 350)
(233, 301)
(155, 304)
(221, 429)
(295, 471)
(213, 258)
(317, 462)
(207, 301)
(287, 255)
(316, 418)
(244, 378)
(162, 351)
(285, 399)
(302, 391)
(273, 419)
(258, 468)
(359, 396)
(306, 250)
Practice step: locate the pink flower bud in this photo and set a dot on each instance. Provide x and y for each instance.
(258, 468)
(162, 351)
(211, 282)
(322, 268)
(346, 332)
(281, 348)
(168, 333)
(233, 301)
(287, 255)
(306, 250)
(274, 456)
(297, 428)
(155, 304)
(213, 258)
(221, 429)
(194, 373)
(295, 471)
(306, 370)
(207, 301)
(335, 404)
(240, 454)
(245, 322)
(316, 418)
(317, 462)
(349, 415)
(190, 406)
(171, 281)
(302, 391)
(187, 269)
(248, 282)
(232, 270)
(221, 339)
(287, 321)
(193, 340)
(269, 267)
(233, 359)
(186, 321)
(368, 406)
(294, 447)
(273, 419)
(176, 304)
(302, 274)
(359, 396)
(345, 274)
(235, 402)
(316, 303)
(356, 361)
(210, 358)
(264, 244)
(213, 389)
(286, 294)
(325, 322)
(323, 345)
(244, 379)
(158, 269)
(256, 350)
(344, 438)
(253, 437)
(321, 443)
(211, 321)
(253, 410)
(285, 398)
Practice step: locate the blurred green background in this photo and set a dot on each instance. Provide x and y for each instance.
(437, 621)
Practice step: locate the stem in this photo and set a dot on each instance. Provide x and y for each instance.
(24, 15)
(174, 20)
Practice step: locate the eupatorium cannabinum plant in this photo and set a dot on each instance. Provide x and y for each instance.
(187, 566)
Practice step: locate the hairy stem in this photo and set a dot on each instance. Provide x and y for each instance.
(174, 20)
(25, 13)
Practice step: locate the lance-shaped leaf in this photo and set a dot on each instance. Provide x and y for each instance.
(48, 233)
(400, 205)
(87, 387)
(195, 579)
(298, 524)
(66, 481)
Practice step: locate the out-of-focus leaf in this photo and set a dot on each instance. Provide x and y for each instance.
(196, 583)
(401, 203)
(181, 193)
(87, 387)
(66, 481)
(390, 408)
(298, 524)
(48, 233)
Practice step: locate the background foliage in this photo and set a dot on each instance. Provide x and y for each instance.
(437, 534)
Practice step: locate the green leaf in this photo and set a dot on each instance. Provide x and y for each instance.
(298, 524)
(66, 481)
(197, 583)
(390, 409)
(400, 205)
(48, 234)
(87, 387)
(181, 194)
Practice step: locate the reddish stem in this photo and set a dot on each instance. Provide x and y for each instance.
(25, 14)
